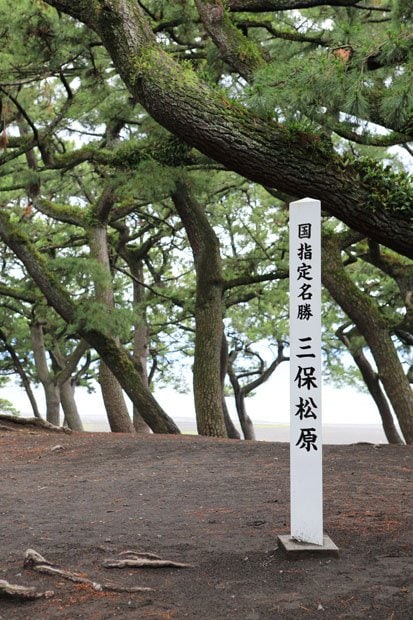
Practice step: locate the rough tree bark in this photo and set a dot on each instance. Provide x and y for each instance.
(118, 416)
(140, 334)
(209, 333)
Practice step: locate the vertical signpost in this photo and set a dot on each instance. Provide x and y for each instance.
(306, 475)
(305, 372)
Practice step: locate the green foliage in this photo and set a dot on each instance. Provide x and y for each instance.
(96, 316)
(7, 407)
(357, 70)
(388, 188)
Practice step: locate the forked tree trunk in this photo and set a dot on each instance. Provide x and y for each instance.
(46, 378)
(239, 394)
(63, 368)
(232, 431)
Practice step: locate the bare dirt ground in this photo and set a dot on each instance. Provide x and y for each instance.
(218, 505)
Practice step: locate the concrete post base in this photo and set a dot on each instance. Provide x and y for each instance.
(295, 549)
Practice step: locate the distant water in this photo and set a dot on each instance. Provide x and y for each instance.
(332, 433)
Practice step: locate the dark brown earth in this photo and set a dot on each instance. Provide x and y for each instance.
(217, 504)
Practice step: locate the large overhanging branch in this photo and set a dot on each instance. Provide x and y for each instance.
(262, 6)
(298, 164)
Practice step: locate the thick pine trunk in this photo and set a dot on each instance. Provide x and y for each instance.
(364, 313)
(70, 410)
(46, 378)
(140, 337)
(208, 314)
(206, 368)
(117, 413)
(112, 394)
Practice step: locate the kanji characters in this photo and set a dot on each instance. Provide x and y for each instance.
(307, 439)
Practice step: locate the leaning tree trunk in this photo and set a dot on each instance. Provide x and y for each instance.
(365, 314)
(63, 368)
(239, 394)
(117, 413)
(112, 394)
(208, 314)
(372, 381)
(22, 374)
(232, 431)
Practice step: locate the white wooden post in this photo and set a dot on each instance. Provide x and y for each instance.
(305, 372)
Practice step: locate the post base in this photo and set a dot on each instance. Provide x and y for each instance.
(295, 549)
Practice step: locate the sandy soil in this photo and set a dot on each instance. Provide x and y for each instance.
(217, 504)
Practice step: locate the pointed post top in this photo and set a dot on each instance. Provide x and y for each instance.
(306, 201)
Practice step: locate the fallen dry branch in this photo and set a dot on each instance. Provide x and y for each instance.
(22, 593)
(10, 422)
(135, 559)
(35, 561)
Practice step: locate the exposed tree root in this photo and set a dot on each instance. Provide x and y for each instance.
(22, 593)
(9, 422)
(37, 562)
(130, 559)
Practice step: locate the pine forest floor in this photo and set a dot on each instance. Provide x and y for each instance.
(80, 499)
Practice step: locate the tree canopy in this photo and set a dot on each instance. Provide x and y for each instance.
(352, 71)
